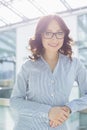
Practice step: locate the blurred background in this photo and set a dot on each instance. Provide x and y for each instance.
(18, 19)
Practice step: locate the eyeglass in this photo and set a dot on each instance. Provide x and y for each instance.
(49, 35)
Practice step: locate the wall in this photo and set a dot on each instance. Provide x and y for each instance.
(23, 35)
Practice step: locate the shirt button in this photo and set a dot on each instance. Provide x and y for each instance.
(52, 95)
(52, 81)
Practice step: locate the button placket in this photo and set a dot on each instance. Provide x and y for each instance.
(52, 85)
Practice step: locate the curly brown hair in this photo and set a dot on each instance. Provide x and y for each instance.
(35, 43)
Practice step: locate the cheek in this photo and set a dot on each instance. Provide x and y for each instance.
(61, 42)
(44, 42)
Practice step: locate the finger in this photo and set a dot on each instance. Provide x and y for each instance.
(66, 109)
(61, 120)
(64, 118)
(66, 114)
(62, 115)
(55, 124)
(51, 122)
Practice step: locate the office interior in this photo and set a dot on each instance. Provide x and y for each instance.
(17, 25)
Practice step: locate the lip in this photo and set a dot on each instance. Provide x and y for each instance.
(53, 45)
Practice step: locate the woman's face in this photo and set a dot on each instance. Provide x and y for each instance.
(53, 37)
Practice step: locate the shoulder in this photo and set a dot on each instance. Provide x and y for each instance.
(30, 64)
(75, 62)
(27, 63)
(67, 59)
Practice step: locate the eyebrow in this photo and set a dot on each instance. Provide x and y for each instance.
(56, 31)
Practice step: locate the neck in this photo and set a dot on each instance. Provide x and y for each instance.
(50, 56)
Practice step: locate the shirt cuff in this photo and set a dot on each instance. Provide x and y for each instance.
(44, 111)
(72, 107)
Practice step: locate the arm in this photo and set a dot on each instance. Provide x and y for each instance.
(18, 101)
(81, 78)
(76, 104)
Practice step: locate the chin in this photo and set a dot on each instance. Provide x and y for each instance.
(54, 50)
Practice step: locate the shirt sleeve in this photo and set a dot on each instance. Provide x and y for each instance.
(20, 104)
(81, 78)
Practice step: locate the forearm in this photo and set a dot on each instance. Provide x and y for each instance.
(78, 104)
(29, 108)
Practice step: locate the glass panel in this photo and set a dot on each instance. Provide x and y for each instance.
(82, 38)
(26, 8)
(7, 62)
(77, 3)
(82, 49)
(51, 6)
(1, 24)
(8, 15)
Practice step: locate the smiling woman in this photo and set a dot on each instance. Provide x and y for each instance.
(53, 37)
(51, 30)
(40, 96)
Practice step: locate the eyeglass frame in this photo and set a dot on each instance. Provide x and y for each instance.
(53, 35)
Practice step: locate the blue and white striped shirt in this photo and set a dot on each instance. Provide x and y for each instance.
(37, 89)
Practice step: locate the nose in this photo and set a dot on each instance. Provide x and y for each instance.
(54, 36)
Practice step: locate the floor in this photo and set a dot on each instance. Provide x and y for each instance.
(6, 122)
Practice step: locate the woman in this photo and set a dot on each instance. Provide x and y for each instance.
(41, 93)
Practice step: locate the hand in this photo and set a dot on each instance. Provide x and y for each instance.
(67, 109)
(57, 115)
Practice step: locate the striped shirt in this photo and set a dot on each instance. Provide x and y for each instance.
(37, 89)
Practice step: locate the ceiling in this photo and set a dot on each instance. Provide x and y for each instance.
(19, 11)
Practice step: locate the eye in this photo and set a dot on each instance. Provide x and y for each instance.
(60, 33)
(48, 33)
